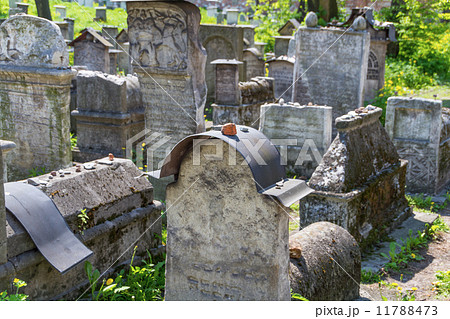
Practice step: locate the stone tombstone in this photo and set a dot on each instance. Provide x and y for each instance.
(60, 11)
(420, 130)
(336, 78)
(212, 10)
(221, 42)
(110, 33)
(71, 25)
(289, 27)
(249, 35)
(216, 249)
(109, 112)
(169, 60)
(291, 48)
(282, 70)
(282, 45)
(301, 133)
(260, 46)
(34, 95)
(89, 3)
(335, 252)
(23, 7)
(232, 16)
(114, 60)
(254, 63)
(227, 82)
(360, 183)
(100, 14)
(5, 146)
(123, 62)
(92, 51)
(64, 27)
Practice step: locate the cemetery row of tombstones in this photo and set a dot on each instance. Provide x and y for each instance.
(356, 188)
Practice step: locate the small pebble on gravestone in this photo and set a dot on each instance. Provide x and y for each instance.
(53, 173)
(359, 24)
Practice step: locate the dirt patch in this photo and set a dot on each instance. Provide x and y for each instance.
(418, 274)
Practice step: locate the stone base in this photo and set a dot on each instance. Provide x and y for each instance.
(367, 213)
(247, 115)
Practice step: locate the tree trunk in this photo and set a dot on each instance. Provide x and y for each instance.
(43, 9)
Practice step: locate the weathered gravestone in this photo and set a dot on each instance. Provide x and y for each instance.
(221, 42)
(70, 32)
(289, 28)
(281, 70)
(170, 61)
(60, 11)
(110, 32)
(330, 68)
(282, 45)
(34, 95)
(109, 112)
(249, 35)
(124, 62)
(218, 249)
(301, 133)
(64, 27)
(92, 51)
(360, 184)
(5, 146)
(100, 14)
(239, 102)
(121, 215)
(232, 16)
(420, 130)
(254, 63)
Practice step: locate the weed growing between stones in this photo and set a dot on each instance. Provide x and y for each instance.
(144, 283)
(83, 220)
(442, 285)
(73, 141)
(15, 297)
(297, 297)
(426, 204)
(400, 294)
(401, 254)
(37, 171)
(369, 277)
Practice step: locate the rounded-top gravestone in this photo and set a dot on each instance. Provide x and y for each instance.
(31, 41)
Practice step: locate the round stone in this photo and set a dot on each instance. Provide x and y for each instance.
(359, 24)
(311, 20)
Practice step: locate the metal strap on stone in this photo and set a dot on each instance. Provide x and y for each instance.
(270, 179)
(45, 225)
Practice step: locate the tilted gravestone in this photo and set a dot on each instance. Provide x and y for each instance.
(330, 68)
(227, 240)
(109, 112)
(34, 95)
(420, 130)
(360, 184)
(170, 61)
(301, 133)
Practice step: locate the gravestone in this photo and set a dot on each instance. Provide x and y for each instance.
(302, 134)
(212, 10)
(331, 68)
(109, 112)
(239, 102)
(169, 60)
(113, 61)
(23, 7)
(360, 184)
(60, 12)
(5, 146)
(254, 63)
(100, 14)
(249, 35)
(282, 45)
(420, 130)
(260, 46)
(34, 95)
(289, 28)
(110, 33)
(291, 48)
(92, 51)
(221, 42)
(123, 44)
(218, 250)
(220, 18)
(281, 70)
(232, 16)
(71, 25)
(64, 27)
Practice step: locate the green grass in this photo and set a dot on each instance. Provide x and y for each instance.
(369, 277)
(442, 285)
(426, 204)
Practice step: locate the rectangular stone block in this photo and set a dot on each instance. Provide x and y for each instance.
(332, 65)
(301, 133)
(419, 130)
(282, 70)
